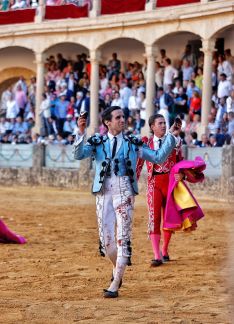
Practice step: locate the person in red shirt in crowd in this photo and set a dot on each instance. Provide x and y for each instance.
(71, 107)
(157, 187)
(195, 104)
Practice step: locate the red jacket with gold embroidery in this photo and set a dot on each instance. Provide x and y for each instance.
(173, 158)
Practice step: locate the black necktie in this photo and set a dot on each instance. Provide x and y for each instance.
(114, 147)
(159, 143)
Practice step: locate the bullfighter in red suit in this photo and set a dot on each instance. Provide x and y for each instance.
(157, 187)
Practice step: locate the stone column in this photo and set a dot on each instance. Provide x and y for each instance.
(39, 89)
(150, 54)
(95, 57)
(150, 5)
(208, 47)
(40, 12)
(96, 9)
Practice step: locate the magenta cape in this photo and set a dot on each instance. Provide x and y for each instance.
(7, 236)
(182, 209)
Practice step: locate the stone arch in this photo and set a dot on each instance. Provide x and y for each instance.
(177, 41)
(222, 29)
(9, 76)
(125, 47)
(14, 57)
(173, 30)
(110, 38)
(68, 49)
(224, 38)
(178, 32)
(19, 43)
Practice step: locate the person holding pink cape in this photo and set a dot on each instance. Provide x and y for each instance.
(157, 187)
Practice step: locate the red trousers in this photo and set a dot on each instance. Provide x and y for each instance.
(156, 201)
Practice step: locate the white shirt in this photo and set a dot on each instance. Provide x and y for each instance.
(230, 104)
(226, 68)
(165, 113)
(159, 77)
(133, 103)
(3, 128)
(156, 141)
(118, 102)
(169, 74)
(12, 109)
(224, 89)
(103, 85)
(119, 141)
(45, 108)
(143, 109)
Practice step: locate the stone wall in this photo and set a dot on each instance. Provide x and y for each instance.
(214, 188)
(221, 188)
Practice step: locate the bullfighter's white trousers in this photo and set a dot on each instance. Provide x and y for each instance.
(114, 215)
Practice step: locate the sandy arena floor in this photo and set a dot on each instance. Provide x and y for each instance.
(58, 276)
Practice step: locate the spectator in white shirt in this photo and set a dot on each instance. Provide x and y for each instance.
(45, 114)
(224, 86)
(142, 105)
(231, 124)
(125, 93)
(189, 56)
(229, 57)
(141, 88)
(212, 125)
(170, 73)
(103, 84)
(19, 4)
(158, 75)
(224, 67)
(4, 98)
(61, 81)
(133, 102)
(2, 125)
(34, 4)
(177, 87)
(117, 101)
(187, 72)
(222, 108)
(12, 108)
(230, 102)
(69, 126)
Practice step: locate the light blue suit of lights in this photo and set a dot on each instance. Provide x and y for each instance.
(98, 147)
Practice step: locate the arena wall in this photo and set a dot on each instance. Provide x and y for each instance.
(221, 188)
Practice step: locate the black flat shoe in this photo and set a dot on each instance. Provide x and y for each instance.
(165, 258)
(110, 294)
(120, 283)
(156, 263)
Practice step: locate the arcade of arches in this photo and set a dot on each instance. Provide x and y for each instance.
(30, 63)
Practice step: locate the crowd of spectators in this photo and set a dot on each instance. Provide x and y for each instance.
(6, 5)
(67, 93)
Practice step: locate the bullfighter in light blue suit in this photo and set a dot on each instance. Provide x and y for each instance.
(115, 185)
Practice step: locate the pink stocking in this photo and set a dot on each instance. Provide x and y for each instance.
(155, 241)
(166, 241)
